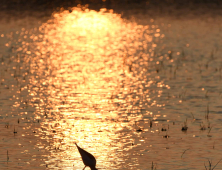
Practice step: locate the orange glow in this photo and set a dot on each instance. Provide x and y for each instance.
(80, 57)
(118, 89)
(88, 79)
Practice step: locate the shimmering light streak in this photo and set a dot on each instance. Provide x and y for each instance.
(88, 78)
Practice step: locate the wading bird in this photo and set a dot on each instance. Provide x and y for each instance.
(87, 158)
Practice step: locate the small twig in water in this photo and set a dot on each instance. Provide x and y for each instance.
(209, 132)
(185, 127)
(7, 156)
(153, 167)
(183, 153)
(210, 164)
(151, 123)
(207, 114)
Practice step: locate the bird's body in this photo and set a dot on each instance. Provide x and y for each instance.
(87, 158)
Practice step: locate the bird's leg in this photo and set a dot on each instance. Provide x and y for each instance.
(84, 168)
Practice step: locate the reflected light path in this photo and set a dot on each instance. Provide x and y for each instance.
(88, 79)
(129, 94)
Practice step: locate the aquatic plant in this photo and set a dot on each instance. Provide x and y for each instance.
(210, 165)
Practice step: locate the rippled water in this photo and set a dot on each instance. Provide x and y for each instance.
(122, 89)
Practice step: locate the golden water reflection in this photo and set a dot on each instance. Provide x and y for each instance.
(62, 82)
(89, 80)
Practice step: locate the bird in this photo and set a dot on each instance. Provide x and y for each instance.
(87, 158)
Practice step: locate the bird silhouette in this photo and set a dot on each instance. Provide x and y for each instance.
(87, 158)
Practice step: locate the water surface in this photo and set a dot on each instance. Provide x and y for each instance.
(121, 88)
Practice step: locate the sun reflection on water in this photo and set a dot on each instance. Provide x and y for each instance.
(89, 78)
(119, 89)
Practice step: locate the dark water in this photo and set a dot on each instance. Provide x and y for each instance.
(123, 88)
